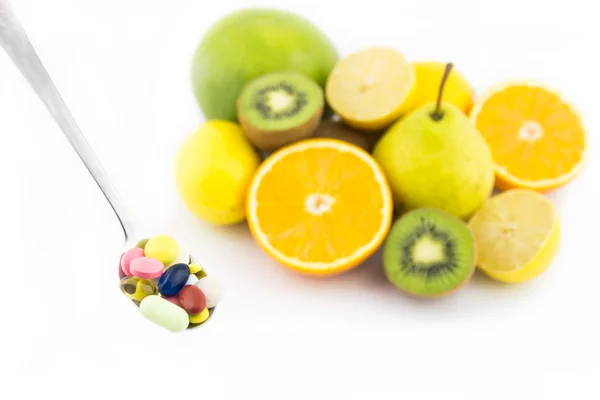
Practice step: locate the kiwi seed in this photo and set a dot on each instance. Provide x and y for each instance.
(279, 108)
(429, 252)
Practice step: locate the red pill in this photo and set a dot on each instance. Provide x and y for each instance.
(174, 300)
(192, 299)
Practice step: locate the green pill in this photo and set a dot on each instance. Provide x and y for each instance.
(164, 313)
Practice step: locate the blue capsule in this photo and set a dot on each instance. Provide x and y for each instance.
(173, 279)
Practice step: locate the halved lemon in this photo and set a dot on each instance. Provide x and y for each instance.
(370, 89)
(517, 235)
(537, 139)
(319, 206)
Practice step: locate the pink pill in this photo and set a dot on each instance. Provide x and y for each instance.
(121, 272)
(128, 257)
(146, 268)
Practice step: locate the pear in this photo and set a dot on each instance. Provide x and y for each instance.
(435, 157)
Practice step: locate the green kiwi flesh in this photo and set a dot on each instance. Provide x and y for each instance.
(338, 130)
(279, 108)
(429, 252)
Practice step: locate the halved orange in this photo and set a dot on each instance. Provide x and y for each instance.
(537, 139)
(319, 206)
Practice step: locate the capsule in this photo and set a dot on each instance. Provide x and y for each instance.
(137, 289)
(164, 313)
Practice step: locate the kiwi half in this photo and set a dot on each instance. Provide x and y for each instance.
(429, 252)
(279, 108)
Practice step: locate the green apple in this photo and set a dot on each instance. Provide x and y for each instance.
(252, 42)
(434, 157)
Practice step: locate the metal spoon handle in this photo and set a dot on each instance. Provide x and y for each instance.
(15, 42)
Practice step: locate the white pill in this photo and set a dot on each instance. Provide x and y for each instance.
(211, 289)
(183, 257)
(192, 280)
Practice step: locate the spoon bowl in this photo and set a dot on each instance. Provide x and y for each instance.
(136, 286)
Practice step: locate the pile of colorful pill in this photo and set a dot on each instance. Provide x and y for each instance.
(167, 285)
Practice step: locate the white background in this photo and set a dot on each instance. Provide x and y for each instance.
(123, 68)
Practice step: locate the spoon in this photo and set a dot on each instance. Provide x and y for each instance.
(15, 42)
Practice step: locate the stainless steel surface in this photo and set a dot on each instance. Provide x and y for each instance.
(15, 42)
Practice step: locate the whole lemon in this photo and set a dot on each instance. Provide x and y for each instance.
(428, 75)
(213, 168)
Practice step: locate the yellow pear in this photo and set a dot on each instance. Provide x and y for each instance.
(434, 157)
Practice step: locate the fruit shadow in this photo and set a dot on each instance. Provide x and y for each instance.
(369, 282)
(369, 278)
(481, 281)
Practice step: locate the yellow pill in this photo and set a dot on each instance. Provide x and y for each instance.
(200, 318)
(195, 268)
(163, 248)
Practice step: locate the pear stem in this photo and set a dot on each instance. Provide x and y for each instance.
(438, 114)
